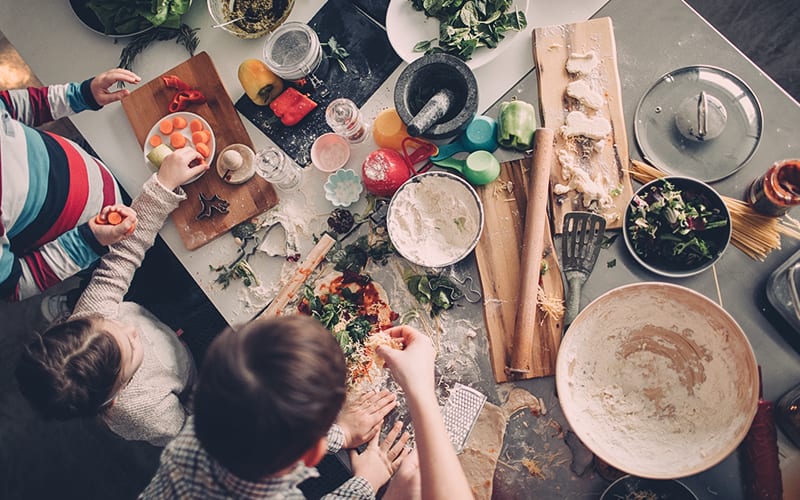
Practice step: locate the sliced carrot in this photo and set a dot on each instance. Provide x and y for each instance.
(196, 125)
(155, 140)
(179, 122)
(166, 127)
(100, 219)
(177, 140)
(198, 137)
(203, 149)
(206, 136)
(130, 231)
(114, 218)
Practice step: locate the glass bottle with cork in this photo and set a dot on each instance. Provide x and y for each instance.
(778, 190)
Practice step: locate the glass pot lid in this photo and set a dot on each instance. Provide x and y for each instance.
(699, 121)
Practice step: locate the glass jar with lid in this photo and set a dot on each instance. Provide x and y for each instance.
(294, 53)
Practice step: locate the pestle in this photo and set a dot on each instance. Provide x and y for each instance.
(431, 112)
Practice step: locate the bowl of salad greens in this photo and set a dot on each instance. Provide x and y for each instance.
(677, 226)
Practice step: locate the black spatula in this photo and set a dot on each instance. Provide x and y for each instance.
(580, 245)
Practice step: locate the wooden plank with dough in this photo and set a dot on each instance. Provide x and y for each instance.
(597, 168)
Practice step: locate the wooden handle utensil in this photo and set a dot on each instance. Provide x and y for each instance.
(290, 289)
(531, 356)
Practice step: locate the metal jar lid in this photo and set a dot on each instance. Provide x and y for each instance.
(293, 50)
(699, 121)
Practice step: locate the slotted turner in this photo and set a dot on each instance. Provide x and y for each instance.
(580, 245)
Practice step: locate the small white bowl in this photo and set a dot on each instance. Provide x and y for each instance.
(343, 188)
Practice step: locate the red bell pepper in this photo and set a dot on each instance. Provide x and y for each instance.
(185, 97)
(292, 106)
(175, 82)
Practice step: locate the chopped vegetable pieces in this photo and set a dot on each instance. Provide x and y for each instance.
(166, 127)
(292, 106)
(203, 149)
(179, 122)
(177, 140)
(155, 140)
(196, 125)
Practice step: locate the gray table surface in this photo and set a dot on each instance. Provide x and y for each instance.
(654, 38)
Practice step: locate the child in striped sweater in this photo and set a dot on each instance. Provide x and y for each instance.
(113, 358)
(50, 188)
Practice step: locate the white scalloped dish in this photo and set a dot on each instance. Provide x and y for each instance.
(343, 188)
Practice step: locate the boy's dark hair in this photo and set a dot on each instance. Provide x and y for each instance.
(70, 370)
(267, 393)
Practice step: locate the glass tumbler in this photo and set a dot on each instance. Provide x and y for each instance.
(278, 169)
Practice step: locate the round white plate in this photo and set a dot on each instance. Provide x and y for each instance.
(406, 27)
(186, 131)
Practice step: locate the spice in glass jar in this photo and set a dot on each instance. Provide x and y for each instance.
(778, 190)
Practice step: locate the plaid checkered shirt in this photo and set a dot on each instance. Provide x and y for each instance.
(187, 471)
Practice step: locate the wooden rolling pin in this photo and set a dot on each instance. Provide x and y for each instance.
(290, 289)
(529, 357)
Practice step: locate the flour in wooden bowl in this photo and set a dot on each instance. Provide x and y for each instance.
(657, 380)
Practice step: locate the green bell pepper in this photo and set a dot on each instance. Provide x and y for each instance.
(516, 124)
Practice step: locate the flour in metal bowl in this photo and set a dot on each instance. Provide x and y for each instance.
(435, 219)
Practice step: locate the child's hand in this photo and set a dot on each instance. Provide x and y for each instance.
(412, 368)
(378, 462)
(406, 484)
(360, 420)
(180, 166)
(108, 234)
(101, 84)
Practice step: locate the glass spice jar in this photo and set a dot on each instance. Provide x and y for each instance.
(778, 190)
(276, 168)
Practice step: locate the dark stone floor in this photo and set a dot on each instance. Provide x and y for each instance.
(75, 460)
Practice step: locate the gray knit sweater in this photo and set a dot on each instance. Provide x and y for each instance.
(149, 408)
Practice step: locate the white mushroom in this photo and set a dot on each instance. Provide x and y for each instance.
(232, 160)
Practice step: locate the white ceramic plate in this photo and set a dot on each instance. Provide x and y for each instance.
(406, 27)
(186, 131)
(657, 380)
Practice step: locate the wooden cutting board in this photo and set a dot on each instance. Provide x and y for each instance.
(498, 255)
(146, 105)
(552, 48)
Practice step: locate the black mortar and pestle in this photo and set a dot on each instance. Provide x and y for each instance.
(436, 96)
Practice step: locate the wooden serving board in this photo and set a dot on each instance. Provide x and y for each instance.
(146, 105)
(552, 48)
(498, 255)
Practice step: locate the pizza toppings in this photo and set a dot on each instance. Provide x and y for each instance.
(353, 308)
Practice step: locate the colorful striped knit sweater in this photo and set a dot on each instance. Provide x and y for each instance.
(49, 188)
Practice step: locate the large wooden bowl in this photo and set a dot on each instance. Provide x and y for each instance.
(657, 380)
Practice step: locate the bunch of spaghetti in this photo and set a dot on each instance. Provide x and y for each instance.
(753, 233)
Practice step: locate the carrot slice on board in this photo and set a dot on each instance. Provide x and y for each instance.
(179, 122)
(155, 140)
(203, 149)
(177, 140)
(166, 127)
(196, 125)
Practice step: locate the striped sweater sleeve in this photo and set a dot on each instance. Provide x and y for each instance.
(35, 106)
(113, 276)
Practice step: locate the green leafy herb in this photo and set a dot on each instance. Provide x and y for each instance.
(339, 315)
(338, 52)
(437, 291)
(674, 227)
(467, 25)
(183, 35)
(609, 240)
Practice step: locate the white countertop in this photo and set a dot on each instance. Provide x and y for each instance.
(59, 48)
